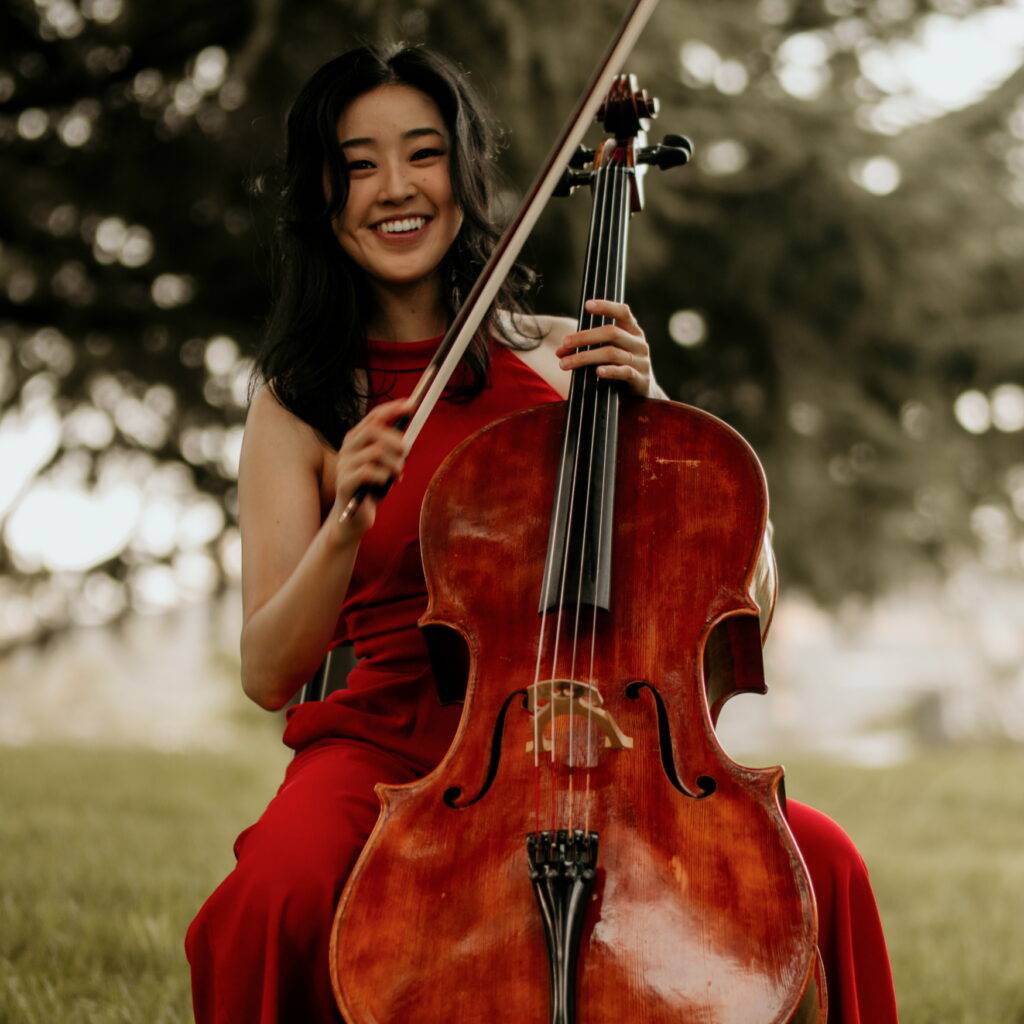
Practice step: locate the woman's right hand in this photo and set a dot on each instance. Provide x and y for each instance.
(372, 452)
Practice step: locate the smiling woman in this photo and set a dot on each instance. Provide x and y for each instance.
(339, 178)
(401, 217)
(385, 224)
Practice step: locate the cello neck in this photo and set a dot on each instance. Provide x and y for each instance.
(578, 565)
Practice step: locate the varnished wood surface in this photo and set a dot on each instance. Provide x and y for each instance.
(702, 912)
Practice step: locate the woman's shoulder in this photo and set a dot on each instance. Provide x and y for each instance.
(270, 424)
(534, 337)
(534, 330)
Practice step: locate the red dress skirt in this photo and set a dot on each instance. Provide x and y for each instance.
(258, 948)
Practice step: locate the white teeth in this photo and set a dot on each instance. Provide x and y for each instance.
(409, 224)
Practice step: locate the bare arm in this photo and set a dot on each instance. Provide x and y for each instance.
(295, 570)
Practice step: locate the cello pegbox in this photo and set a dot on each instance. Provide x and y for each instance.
(627, 113)
(627, 110)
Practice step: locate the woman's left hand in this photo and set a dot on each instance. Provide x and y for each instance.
(624, 354)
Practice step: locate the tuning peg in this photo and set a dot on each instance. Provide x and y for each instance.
(678, 142)
(571, 180)
(574, 176)
(672, 151)
(581, 157)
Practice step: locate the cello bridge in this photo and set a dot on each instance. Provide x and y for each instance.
(555, 698)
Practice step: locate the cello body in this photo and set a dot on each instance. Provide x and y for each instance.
(699, 909)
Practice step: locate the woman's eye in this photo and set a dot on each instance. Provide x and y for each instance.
(424, 154)
(358, 165)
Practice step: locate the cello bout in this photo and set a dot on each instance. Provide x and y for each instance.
(686, 870)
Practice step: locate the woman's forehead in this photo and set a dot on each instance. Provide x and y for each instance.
(387, 112)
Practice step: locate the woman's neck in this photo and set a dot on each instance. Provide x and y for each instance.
(407, 312)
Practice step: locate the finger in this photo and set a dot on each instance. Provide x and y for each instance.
(384, 414)
(597, 357)
(637, 381)
(365, 434)
(389, 411)
(606, 332)
(391, 406)
(391, 470)
(390, 440)
(369, 475)
(373, 473)
(358, 438)
(618, 311)
(379, 454)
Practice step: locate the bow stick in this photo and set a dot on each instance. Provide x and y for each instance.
(466, 322)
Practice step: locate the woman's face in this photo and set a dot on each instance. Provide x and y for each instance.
(400, 217)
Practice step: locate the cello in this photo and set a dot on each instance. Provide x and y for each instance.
(586, 851)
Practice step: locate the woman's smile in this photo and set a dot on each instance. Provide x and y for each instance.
(402, 230)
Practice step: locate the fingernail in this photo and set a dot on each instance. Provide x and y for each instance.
(563, 363)
(592, 303)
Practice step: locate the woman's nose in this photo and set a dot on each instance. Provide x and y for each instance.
(395, 185)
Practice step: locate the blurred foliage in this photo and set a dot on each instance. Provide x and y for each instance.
(137, 143)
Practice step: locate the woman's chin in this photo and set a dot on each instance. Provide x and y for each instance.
(404, 277)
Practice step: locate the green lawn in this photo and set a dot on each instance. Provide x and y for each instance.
(943, 837)
(105, 855)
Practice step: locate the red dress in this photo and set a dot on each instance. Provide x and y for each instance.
(258, 948)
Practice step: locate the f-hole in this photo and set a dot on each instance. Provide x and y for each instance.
(453, 793)
(706, 784)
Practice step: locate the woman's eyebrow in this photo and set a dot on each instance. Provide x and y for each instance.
(412, 133)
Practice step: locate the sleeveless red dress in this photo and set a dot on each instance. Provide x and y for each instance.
(258, 948)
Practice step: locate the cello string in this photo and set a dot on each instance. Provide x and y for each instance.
(609, 291)
(600, 289)
(574, 394)
(581, 385)
(601, 203)
(622, 215)
(605, 275)
(586, 519)
(549, 562)
(609, 254)
(548, 569)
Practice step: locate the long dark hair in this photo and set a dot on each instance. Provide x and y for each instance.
(315, 336)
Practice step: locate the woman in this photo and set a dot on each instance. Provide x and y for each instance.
(386, 224)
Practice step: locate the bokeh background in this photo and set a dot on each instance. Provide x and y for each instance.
(839, 274)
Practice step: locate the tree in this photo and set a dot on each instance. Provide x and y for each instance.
(834, 325)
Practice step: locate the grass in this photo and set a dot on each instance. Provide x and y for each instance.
(943, 837)
(106, 854)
